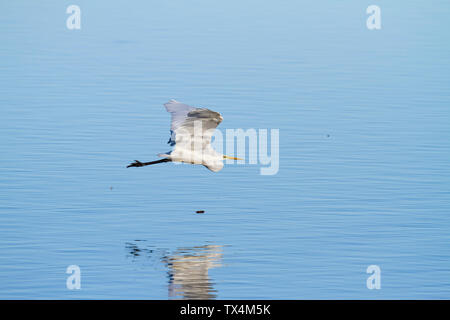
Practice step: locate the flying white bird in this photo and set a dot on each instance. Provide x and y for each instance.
(191, 131)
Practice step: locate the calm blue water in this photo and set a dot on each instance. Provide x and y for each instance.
(364, 150)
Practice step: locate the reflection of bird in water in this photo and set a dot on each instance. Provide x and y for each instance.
(188, 271)
(187, 268)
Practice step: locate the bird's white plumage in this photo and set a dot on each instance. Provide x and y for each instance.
(191, 132)
(178, 112)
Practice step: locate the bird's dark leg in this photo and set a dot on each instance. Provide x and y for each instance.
(141, 164)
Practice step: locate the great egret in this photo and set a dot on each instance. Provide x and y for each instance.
(191, 131)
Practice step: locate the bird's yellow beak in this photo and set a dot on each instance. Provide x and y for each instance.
(232, 158)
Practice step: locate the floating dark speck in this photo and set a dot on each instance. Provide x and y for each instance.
(200, 211)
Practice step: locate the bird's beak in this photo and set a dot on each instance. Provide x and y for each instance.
(232, 158)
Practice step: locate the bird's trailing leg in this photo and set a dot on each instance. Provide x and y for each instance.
(141, 164)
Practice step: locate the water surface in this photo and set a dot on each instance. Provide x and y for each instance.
(364, 147)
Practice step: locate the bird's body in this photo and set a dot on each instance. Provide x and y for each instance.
(191, 131)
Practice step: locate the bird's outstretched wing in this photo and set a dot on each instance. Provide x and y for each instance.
(184, 120)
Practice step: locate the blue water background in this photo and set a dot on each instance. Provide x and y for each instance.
(364, 149)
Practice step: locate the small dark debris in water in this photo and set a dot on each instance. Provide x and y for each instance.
(200, 211)
(328, 135)
(110, 188)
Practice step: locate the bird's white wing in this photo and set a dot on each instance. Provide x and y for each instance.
(179, 113)
(184, 121)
